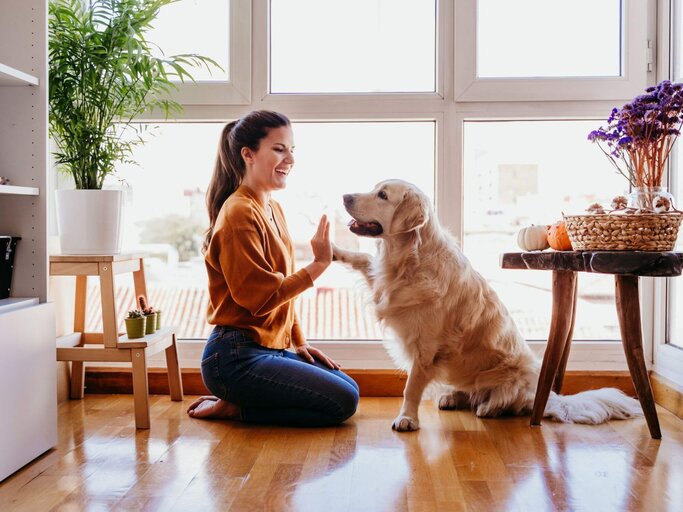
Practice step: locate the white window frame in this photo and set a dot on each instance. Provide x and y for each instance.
(667, 358)
(449, 109)
(634, 60)
(237, 90)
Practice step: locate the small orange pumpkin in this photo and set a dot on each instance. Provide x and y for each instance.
(558, 237)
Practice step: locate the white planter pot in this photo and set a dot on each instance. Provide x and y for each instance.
(89, 221)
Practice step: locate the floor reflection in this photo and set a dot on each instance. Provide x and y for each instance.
(456, 462)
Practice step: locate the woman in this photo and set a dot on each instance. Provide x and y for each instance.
(252, 285)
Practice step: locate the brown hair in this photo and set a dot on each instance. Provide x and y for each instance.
(229, 170)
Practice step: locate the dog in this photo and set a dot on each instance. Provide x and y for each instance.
(451, 327)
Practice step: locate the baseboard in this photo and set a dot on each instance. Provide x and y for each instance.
(667, 394)
(370, 382)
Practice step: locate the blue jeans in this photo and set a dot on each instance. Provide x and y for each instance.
(275, 387)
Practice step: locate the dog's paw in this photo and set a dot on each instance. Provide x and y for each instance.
(337, 253)
(454, 401)
(405, 424)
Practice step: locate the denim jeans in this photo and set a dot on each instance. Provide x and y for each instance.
(273, 386)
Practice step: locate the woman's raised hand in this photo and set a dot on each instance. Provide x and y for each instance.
(322, 249)
(320, 243)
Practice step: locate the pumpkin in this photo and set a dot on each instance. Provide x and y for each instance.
(533, 238)
(558, 237)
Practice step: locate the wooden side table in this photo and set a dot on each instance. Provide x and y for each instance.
(109, 345)
(627, 267)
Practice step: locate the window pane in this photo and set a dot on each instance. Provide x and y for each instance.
(337, 46)
(196, 26)
(675, 306)
(333, 159)
(677, 41)
(675, 285)
(538, 38)
(528, 172)
(165, 216)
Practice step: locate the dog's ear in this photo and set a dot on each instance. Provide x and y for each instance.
(411, 214)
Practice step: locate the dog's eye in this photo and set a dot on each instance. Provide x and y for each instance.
(382, 195)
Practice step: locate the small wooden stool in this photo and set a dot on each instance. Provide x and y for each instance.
(626, 266)
(78, 347)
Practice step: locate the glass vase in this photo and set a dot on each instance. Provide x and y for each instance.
(650, 199)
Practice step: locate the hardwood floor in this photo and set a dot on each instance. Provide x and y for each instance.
(455, 462)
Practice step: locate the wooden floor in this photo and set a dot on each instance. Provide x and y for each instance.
(455, 462)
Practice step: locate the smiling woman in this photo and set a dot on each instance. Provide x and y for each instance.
(252, 283)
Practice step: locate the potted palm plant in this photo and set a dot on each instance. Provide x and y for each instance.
(103, 72)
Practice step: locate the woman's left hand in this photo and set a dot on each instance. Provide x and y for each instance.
(310, 354)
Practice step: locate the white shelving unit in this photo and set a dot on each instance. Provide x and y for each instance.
(27, 324)
(19, 191)
(10, 76)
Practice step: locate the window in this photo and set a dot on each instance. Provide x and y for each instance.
(219, 29)
(533, 50)
(533, 172)
(334, 158)
(512, 41)
(205, 25)
(674, 336)
(166, 215)
(667, 296)
(491, 143)
(351, 46)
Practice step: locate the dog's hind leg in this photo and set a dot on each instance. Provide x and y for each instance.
(455, 400)
(407, 419)
(505, 400)
(360, 261)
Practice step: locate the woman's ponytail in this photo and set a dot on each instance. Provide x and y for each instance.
(229, 170)
(224, 181)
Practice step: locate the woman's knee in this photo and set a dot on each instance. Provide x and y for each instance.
(347, 401)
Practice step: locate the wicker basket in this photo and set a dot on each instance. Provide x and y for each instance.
(637, 232)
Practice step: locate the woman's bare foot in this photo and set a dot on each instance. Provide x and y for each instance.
(213, 407)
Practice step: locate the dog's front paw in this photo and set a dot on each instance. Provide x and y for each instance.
(405, 424)
(337, 253)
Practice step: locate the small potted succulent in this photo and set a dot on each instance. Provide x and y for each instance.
(150, 313)
(135, 324)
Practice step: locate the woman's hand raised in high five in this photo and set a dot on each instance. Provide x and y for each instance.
(322, 249)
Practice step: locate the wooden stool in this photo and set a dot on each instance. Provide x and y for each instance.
(626, 266)
(78, 347)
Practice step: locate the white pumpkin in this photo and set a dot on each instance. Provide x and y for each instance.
(533, 238)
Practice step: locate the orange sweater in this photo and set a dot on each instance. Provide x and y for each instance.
(252, 282)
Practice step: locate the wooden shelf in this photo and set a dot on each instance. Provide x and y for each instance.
(11, 76)
(19, 191)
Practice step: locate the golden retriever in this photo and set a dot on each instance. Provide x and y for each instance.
(450, 326)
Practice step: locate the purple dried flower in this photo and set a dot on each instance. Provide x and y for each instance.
(638, 137)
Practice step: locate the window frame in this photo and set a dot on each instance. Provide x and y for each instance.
(667, 358)
(237, 90)
(449, 109)
(471, 88)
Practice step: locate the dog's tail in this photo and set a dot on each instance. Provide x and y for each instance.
(592, 407)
